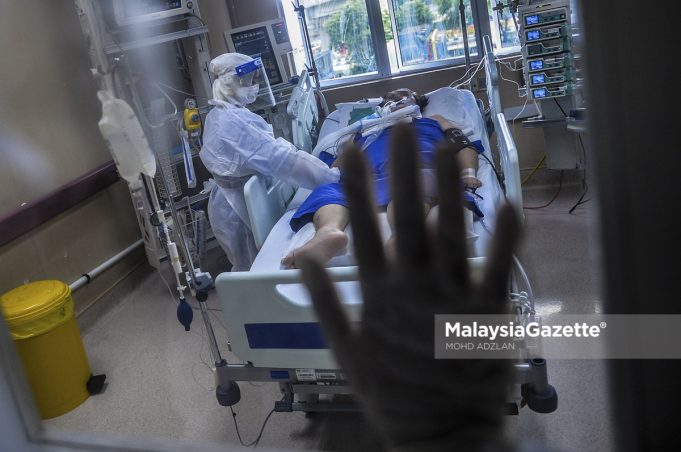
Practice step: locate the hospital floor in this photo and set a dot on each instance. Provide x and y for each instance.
(159, 382)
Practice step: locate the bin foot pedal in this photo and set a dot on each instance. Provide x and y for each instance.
(95, 384)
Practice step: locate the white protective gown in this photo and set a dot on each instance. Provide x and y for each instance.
(237, 143)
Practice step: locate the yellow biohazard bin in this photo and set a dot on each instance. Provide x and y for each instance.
(41, 321)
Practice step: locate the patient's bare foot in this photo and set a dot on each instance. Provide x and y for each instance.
(326, 243)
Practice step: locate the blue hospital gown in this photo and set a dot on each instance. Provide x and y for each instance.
(428, 134)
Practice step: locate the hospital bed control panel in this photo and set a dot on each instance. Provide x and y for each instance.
(547, 52)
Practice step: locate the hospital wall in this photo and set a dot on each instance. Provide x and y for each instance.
(49, 109)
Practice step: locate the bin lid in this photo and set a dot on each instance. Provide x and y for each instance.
(33, 300)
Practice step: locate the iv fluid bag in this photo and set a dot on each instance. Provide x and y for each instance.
(128, 145)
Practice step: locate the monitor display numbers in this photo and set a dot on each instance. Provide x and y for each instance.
(531, 20)
(536, 65)
(538, 93)
(538, 79)
(533, 35)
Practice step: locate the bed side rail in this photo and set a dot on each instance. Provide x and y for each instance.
(492, 78)
(510, 165)
(266, 203)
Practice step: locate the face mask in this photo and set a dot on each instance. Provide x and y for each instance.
(392, 106)
(247, 94)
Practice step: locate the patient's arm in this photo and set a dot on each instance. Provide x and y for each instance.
(468, 160)
(467, 157)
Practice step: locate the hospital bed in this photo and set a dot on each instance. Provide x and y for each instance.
(267, 312)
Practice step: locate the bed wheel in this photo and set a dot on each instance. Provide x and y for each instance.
(228, 395)
(542, 402)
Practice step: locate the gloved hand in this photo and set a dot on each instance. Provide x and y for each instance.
(414, 401)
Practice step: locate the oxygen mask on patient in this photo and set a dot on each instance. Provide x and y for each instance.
(394, 105)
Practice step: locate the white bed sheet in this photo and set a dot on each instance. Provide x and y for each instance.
(282, 239)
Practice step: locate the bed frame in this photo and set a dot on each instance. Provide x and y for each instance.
(281, 340)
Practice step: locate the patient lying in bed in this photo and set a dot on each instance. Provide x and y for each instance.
(326, 206)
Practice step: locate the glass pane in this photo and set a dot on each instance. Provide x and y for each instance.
(340, 36)
(430, 30)
(502, 25)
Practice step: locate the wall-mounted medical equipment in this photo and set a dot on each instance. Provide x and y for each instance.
(546, 31)
(128, 12)
(270, 42)
(545, 35)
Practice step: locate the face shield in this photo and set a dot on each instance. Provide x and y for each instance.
(253, 86)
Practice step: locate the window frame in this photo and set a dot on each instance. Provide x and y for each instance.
(481, 24)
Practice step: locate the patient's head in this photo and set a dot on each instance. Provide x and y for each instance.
(404, 97)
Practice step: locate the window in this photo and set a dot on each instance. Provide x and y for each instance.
(340, 36)
(430, 30)
(503, 28)
(374, 38)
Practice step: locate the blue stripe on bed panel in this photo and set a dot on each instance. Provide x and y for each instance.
(279, 374)
(306, 335)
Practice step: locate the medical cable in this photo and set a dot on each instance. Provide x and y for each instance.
(262, 429)
(202, 362)
(579, 201)
(167, 96)
(511, 81)
(586, 186)
(508, 65)
(560, 186)
(518, 115)
(534, 170)
(466, 74)
(484, 226)
(477, 69)
(180, 91)
(501, 184)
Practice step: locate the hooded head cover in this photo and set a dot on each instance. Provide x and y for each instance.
(228, 86)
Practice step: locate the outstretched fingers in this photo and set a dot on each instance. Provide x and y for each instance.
(410, 230)
(452, 250)
(495, 283)
(329, 310)
(368, 244)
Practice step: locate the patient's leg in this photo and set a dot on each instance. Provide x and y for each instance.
(390, 250)
(329, 237)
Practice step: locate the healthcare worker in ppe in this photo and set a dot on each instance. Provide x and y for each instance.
(238, 143)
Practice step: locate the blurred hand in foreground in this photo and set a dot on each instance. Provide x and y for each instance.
(414, 401)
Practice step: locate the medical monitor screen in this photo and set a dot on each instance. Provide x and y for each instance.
(531, 20)
(538, 79)
(533, 35)
(537, 93)
(256, 43)
(536, 65)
